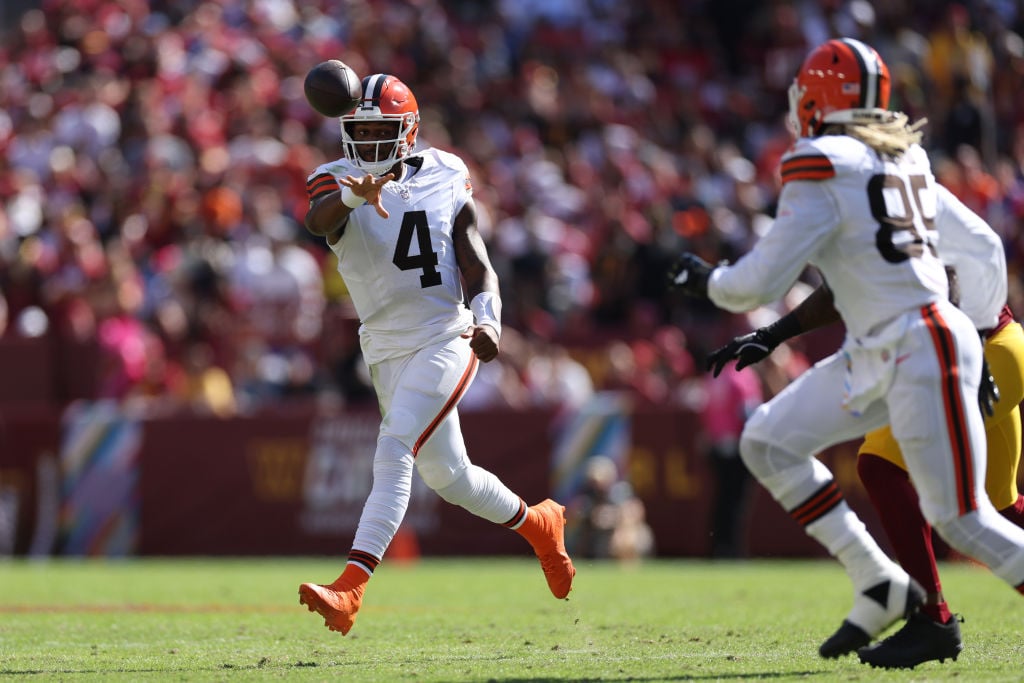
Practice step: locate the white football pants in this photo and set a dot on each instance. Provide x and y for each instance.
(932, 407)
(418, 395)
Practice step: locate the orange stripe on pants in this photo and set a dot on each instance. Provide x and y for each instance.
(956, 420)
(449, 405)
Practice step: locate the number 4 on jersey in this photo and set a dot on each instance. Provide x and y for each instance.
(426, 259)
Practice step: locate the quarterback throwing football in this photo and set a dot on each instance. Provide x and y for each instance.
(403, 225)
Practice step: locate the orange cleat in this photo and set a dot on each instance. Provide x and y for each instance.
(545, 530)
(336, 603)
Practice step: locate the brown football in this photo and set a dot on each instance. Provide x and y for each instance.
(333, 88)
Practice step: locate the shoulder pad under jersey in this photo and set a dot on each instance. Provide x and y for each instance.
(822, 158)
(449, 162)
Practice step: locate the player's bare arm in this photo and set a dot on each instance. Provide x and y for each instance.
(817, 310)
(328, 216)
(481, 283)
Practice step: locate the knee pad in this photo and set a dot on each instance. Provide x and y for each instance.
(985, 536)
(392, 460)
(764, 459)
(789, 477)
(438, 473)
(442, 459)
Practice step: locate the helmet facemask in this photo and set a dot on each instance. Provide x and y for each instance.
(385, 100)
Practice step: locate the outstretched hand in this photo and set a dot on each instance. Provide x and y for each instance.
(745, 350)
(369, 188)
(689, 274)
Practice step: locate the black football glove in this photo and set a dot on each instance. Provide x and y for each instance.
(988, 392)
(746, 350)
(689, 275)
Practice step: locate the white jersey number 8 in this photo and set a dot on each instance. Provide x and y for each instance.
(899, 236)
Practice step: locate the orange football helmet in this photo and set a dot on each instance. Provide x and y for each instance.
(385, 99)
(841, 81)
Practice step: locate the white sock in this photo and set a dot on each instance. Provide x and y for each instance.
(844, 536)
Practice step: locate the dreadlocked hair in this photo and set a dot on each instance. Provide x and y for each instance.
(890, 136)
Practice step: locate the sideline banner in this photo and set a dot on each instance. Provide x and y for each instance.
(99, 455)
(293, 482)
(296, 484)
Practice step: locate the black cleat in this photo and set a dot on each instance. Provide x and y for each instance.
(847, 639)
(920, 640)
(875, 609)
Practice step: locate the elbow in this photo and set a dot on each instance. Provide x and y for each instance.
(319, 224)
(310, 223)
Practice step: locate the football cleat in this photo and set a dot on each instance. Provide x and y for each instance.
(874, 610)
(336, 603)
(920, 640)
(547, 536)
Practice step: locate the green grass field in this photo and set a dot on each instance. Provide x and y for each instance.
(466, 620)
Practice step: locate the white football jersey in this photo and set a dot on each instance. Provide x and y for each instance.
(401, 271)
(967, 243)
(872, 226)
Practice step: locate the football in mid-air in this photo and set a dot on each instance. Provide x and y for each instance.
(333, 88)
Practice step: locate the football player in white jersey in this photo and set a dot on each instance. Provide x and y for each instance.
(859, 201)
(403, 224)
(933, 632)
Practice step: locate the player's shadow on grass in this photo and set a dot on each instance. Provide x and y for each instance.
(709, 676)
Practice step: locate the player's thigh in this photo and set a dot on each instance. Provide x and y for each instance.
(935, 417)
(425, 389)
(808, 416)
(1004, 352)
(882, 443)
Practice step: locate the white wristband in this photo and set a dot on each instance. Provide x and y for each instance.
(486, 307)
(350, 198)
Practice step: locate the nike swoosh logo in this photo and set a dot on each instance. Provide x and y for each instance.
(682, 277)
(900, 359)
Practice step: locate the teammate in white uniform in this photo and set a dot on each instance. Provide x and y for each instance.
(403, 225)
(860, 202)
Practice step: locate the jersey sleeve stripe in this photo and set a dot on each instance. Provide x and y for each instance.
(321, 184)
(807, 167)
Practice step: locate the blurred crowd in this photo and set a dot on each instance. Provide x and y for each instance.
(153, 158)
